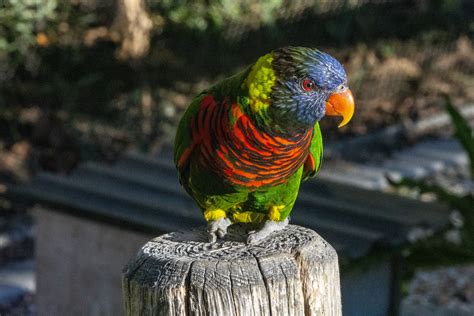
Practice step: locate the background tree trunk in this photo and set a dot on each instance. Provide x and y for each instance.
(132, 27)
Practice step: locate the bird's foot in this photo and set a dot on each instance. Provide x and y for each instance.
(217, 229)
(268, 228)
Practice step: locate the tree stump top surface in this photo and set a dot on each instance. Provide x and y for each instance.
(194, 245)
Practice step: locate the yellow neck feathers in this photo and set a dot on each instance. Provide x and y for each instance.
(259, 83)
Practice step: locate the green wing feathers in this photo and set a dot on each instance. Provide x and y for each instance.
(315, 157)
(183, 143)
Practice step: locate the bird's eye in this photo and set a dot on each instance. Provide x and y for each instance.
(308, 85)
(341, 87)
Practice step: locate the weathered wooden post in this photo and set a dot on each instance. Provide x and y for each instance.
(294, 272)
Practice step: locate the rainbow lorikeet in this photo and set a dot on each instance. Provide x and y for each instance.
(244, 145)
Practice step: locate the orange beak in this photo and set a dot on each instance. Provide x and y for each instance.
(341, 104)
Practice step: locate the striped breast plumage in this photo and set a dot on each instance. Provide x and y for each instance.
(230, 144)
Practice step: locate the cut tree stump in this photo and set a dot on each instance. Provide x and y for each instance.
(293, 272)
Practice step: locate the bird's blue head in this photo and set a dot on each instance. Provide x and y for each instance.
(308, 85)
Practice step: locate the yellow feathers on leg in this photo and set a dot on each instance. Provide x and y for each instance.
(275, 213)
(214, 215)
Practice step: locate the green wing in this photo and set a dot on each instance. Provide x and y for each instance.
(315, 157)
(183, 143)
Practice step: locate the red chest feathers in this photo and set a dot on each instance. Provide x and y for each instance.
(231, 145)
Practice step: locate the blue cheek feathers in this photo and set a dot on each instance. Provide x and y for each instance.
(309, 107)
(296, 107)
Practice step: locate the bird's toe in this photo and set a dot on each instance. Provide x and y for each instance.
(217, 229)
(255, 237)
(212, 237)
(221, 233)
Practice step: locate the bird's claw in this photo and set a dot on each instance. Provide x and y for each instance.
(212, 238)
(217, 229)
(268, 228)
(256, 236)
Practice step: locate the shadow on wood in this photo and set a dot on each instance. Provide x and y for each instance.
(294, 272)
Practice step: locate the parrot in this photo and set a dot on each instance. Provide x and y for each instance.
(244, 145)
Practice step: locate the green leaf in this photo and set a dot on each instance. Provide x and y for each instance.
(463, 131)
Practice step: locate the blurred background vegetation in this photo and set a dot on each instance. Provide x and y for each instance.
(87, 79)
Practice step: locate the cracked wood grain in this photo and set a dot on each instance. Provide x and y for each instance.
(293, 272)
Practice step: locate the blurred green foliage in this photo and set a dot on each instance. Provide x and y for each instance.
(463, 133)
(60, 56)
(20, 20)
(218, 14)
(438, 250)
